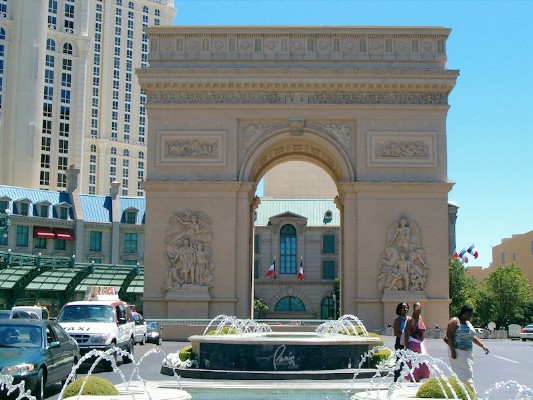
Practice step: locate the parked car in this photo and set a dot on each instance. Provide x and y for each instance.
(101, 323)
(38, 352)
(154, 333)
(140, 328)
(527, 333)
(9, 314)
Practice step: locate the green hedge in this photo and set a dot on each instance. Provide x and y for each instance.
(95, 386)
(186, 353)
(431, 390)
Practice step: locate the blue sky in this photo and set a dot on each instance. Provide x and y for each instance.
(489, 126)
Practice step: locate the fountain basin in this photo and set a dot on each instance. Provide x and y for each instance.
(280, 353)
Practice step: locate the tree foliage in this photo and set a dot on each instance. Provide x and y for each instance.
(503, 297)
(462, 287)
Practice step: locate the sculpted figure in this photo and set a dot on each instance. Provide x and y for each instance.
(403, 264)
(185, 261)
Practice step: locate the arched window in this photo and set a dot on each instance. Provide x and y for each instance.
(119, 2)
(141, 155)
(145, 9)
(130, 5)
(67, 48)
(93, 148)
(126, 153)
(287, 249)
(327, 308)
(157, 12)
(50, 45)
(113, 150)
(290, 303)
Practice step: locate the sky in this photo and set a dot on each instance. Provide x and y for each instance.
(490, 122)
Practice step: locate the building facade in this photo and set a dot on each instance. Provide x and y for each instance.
(228, 104)
(68, 92)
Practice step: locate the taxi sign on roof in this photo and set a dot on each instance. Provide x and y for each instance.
(101, 293)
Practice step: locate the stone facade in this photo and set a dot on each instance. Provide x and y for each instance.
(368, 105)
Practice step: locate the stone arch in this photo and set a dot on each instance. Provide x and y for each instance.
(290, 291)
(310, 145)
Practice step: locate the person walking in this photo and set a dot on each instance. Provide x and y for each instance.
(399, 325)
(414, 341)
(461, 336)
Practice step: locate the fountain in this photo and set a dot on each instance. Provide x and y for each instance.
(254, 351)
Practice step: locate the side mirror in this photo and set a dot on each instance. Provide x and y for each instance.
(54, 345)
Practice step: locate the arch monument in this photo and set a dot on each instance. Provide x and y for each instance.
(366, 104)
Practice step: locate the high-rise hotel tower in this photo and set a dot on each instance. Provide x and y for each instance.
(69, 94)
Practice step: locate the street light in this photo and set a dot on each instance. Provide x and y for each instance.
(5, 222)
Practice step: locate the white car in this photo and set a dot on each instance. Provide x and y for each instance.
(140, 328)
(527, 333)
(100, 325)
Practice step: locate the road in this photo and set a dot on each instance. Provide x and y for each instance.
(508, 360)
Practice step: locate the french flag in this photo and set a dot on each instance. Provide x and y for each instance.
(271, 271)
(301, 271)
(455, 254)
(473, 250)
(463, 256)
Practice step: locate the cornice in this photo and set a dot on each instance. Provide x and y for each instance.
(192, 186)
(316, 31)
(397, 187)
(303, 73)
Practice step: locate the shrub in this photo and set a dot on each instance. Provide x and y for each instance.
(95, 386)
(431, 390)
(379, 356)
(224, 331)
(186, 353)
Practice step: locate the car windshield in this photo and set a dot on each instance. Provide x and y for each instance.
(20, 335)
(152, 325)
(86, 312)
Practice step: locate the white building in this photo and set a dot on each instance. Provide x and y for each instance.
(68, 94)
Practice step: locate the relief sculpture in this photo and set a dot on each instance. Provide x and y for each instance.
(251, 132)
(402, 266)
(188, 250)
(402, 149)
(191, 148)
(339, 131)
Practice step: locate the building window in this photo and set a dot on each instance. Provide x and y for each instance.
(530, 244)
(39, 243)
(130, 262)
(287, 249)
(256, 269)
(63, 212)
(290, 303)
(502, 258)
(328, 269)
(131, 217)
(4, 205)
(3, 239)
(257, 248)
(327, 308)
(130, 243)
(22, 236)
(95, 241)
(43, 211)
(23, 208)
(328, 244)
(60, 244)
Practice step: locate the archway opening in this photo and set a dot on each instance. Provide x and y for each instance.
(297, 243)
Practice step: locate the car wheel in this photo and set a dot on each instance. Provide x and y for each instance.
(127, 359)
(38, 391)
(143, 341)
(523, 340)
(160, 341)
